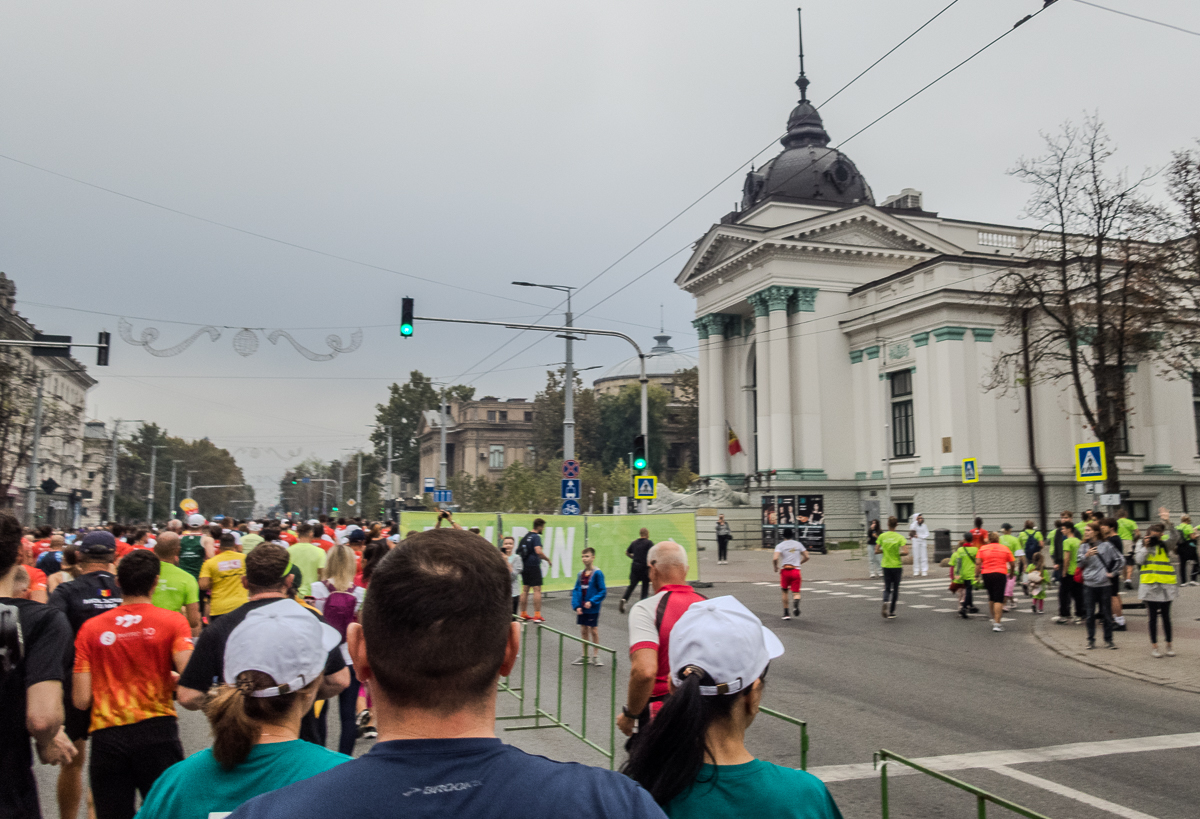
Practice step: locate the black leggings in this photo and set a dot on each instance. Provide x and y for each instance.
(891, 587)
(1155, 610)
(722, 547)
(128, 759)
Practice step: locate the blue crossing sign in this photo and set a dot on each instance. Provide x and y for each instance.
(430, 484)
(1089, 462)
(970, 470)
(571, 507)
(645, 487)
(570, 489)
(443, 496)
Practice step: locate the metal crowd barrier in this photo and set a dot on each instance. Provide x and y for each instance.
(801, 724)
(982, 797)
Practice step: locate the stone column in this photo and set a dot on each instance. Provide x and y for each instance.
(924, 405)
(718, 449)
(989, 432)
(951, 398)
(806, 387)
(705, 467)
(782, 434)
(762, 384)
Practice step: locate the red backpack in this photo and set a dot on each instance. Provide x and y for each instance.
(340, 607)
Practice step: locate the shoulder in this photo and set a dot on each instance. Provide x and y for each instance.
(37, 620)
(593, 791)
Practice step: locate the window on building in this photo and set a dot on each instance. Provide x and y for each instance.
(903, 443)
(496, 456)
(530, 455)
(1138, 510)
(1196, 407)
(528, 417)
(904, 512)
(492, 415)
(503, 415)
(1121, 440)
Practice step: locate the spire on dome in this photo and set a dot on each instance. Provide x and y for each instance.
(802, 81)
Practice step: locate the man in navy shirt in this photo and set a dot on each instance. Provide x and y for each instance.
(436, 636)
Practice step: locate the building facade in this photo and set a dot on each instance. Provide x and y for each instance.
(849, 347)
(482, 437)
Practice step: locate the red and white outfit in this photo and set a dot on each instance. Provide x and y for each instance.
(789, 553)
(650, 624)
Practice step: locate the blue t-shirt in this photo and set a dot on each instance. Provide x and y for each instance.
(754, 789)
(477, 778)
(198, 786)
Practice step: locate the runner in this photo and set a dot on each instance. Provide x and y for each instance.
(1013, 544)
(1127, 531)
(962, 576)
(94, 592)
(586, 598)
(891, 545)
(308, 557)
(979, 535)
(193, 550)
(1039, 580)
(787, 559)
(639, 572)
(221, 576)
(252, 538)
(919, 532)
(273, 670)
(124, 659)
(339, 599)
(69, 568)
(36, 590)
(176, 590)
(993, 563)
(530, 550)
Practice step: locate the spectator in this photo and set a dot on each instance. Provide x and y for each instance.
(586, 597)
(124, 661)
(176, 590)
(267, 581)
(31, 685)
(639, 571)
(436, 636)
(874, 530)
(1157, 585)
(1066, 559)
(515, 565)
(1110, 531)
(724, 535)
(274, 663)
(693, 758)
(993, 563)
(650, 624)
(530, 550)
(1187, 552)
(1102, 564)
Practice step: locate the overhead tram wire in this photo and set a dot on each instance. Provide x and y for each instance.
(1136, 17)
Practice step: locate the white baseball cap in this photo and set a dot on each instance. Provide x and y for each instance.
(195, 520)
(726, 640)
(313, 522)
(282, 640)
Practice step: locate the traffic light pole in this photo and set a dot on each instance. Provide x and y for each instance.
(32, 472)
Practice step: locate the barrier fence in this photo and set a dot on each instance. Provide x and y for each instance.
(982, 797)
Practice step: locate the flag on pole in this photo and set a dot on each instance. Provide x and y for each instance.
(735, 446)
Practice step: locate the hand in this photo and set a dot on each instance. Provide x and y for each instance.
(1164, 514)
(625, 725)
(579, 611)
(59, 751)
(1092, 552)
(587, 605)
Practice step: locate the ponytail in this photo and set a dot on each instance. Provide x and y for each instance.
(237, 717)
(670, 751)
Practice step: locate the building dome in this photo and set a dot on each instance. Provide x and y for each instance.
(661, 362)
(808, 169)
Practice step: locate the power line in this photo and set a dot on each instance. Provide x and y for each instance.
(1135, 17)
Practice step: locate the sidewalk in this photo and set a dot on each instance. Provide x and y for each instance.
(1132, 659)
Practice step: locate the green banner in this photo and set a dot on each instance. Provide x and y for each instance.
(565, 536)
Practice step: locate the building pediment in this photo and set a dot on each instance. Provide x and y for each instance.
(865, 227)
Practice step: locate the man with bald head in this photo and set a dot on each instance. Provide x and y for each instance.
(176, 590)
(175, 525)
(650, 624)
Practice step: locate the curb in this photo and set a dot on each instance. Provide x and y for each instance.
(1054, 644)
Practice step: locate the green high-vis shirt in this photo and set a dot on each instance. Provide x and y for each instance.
(176, 588)
(1126, 528)
(890, 544)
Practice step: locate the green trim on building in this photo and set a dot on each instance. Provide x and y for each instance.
(777, 296)
(760, 304)
(813, 475)
(856, 356)
(990, 469)
(926, 472)
(872, 352)
(982, 333)
(877, 475)
(949, 333)
(804, 300)
(1158, 469)
(952, 469)
(701, 325)
(920, 339)
(860, 476)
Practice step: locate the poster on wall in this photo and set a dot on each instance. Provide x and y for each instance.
(785, 510)
(770, 517)
(810, 520)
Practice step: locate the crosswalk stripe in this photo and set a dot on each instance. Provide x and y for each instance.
(1071, 793)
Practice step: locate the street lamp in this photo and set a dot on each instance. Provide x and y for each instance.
(568, 373)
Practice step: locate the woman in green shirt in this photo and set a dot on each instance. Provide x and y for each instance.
(891, 545)
(693, 758)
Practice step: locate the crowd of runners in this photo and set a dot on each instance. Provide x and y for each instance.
(266, 625)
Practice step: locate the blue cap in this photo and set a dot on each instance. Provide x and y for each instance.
(98, 543)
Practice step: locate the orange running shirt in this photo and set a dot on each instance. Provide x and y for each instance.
(37, 578)
(129, 653)
(995, 558)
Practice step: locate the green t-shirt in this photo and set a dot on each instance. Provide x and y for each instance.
(1014, 545)
(1029, 533)
(1185, 530)
(1080, 527)
(191, 554)
(176, 588)
(250, 541)
(1126, 528)
(890, 544)
(308, 557)
(753, 790)
(963, 561)
(198, 786)
(1070, 549)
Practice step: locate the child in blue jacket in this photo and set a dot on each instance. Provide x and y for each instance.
(589, 593)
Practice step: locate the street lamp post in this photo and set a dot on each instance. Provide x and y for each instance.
(174, 463)
(112, 467)
(150, 494)
(568, 372)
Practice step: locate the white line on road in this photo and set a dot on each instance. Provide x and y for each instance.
(1071, 793)
(997, 759)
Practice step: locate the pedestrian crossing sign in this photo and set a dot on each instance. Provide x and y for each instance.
(1089, 462)
(970, 471)
(645, 487)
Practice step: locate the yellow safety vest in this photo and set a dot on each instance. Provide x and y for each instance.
(1158, 568)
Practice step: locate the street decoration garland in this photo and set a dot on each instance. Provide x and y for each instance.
(245, 341)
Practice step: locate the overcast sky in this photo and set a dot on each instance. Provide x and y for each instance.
(470, 144)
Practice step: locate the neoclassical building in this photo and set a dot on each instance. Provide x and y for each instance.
(843, 340)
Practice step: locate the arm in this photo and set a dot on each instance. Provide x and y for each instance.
(643, 666)
(775, 561)
(804, 557)
(192, 612)
(205, 583)
(44, 719)
(334, 684)
(81, 690)
(601, 589)
(189, 698)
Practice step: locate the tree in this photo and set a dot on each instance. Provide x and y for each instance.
(209, 464)
(621, 420)
(1092, 298)
(402, 413)
(18, 398)
(687, 413)
(549, 409)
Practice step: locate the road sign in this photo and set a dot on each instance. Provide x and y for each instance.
(1089, 462)
(429, 485)
(352, 502)
(570, 489)
(570, 469)
(443, 496)
(1113, 499)
(970, 471)
(645, 487)
(306, 480)
(189, 506)
(571, 507)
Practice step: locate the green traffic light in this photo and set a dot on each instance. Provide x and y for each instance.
(639, 463)
(406, 329)
(293, 483)
(335, 509)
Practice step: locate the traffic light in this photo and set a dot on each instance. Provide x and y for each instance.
(293, 483)
(639, 452)
(333, 509)
(406, 317)
(102, 350)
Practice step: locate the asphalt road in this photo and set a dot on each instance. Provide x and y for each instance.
(924, 685)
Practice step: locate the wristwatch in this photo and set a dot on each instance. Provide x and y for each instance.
(627, 713)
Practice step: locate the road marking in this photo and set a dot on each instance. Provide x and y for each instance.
(838, 593)
(922, 606)
(860, 595)
(1071, 793)
(998, 759)
(945, 609)
(763, 583)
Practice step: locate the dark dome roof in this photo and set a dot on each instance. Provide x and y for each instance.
(807, 169)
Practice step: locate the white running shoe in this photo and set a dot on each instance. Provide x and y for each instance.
(997, 627)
